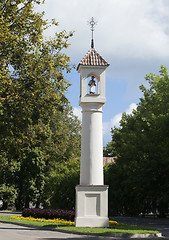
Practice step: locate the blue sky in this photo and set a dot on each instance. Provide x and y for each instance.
(132, 35)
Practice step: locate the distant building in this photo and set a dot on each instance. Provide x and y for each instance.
(108, 160)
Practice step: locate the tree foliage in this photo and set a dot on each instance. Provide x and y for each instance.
(36, 121)
(139, 179)
(62, 183)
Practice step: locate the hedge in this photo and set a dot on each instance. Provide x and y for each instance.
(49, 213)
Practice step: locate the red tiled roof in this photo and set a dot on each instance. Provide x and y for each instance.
(93, 58)
(109, 160)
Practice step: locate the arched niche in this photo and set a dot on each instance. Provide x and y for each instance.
(96, 77)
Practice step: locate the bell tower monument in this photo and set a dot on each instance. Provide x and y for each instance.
(92, 194)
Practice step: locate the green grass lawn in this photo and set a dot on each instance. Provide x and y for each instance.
(119, 228)
(125, 230)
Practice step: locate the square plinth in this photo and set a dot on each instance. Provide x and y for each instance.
(91, 206)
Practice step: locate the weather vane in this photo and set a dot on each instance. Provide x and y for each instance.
(92, 23)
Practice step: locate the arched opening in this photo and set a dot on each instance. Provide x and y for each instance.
(93, 84)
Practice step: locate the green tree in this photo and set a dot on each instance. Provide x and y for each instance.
(107, 151)
(33, 105)
(62, 183)
(141, 142)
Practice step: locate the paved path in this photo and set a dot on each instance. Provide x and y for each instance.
(3, 213)
(14, 232)
(161, 225)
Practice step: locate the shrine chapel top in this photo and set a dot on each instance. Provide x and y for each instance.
(93, 58)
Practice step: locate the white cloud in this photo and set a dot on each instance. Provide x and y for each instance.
(78, 112)
(115, 121)
(132, 107)
(134, 29)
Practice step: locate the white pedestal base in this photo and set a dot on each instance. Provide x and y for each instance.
(91, 206)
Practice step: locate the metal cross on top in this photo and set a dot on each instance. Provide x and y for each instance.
(92, 23)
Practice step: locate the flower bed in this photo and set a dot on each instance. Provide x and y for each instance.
(112, 223)
(58, 220)
(68, 215)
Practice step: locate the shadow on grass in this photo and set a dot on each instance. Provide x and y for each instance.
(72, 238)
(57, 226)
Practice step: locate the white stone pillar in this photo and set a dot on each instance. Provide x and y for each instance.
(92, 194)
(91, 170)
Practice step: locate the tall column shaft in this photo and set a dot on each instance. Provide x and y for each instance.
(91, 170)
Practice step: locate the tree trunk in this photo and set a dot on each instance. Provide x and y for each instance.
(5, 205)
(27, 202)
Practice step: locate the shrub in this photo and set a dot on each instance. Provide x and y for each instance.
(49, 213)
